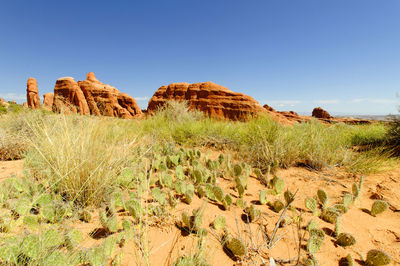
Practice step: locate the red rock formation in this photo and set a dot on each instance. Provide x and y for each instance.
(3, 103)
(13, 102)
(25, 105)
(106, 100)
(321, 113)
(48, 99)
(212, 99)
(69, 98)
(32, 93)
(269, 108)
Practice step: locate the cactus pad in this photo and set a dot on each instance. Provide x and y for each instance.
(345, 239)
(378, 207)
(376, 258)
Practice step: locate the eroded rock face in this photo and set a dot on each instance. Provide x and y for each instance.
(106, 100)
(321, 113)
(69, 98)
(4, 103)
(212, 99)
(32, 94)
(48, 99)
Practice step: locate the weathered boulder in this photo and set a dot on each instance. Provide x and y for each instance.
(3, 103)
(48, 99)
(321, 113)
(106, 100)
(212, 99)
(25, 105)
(32, 94)
(69, 98)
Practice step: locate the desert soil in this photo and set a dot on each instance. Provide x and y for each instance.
(167, 242)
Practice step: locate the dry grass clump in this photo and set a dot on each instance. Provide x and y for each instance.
(12, 146)
(79, 156)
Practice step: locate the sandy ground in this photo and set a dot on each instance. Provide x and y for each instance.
(167, 242)
(10, 168)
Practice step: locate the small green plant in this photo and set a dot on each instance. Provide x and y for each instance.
(109, 222)
(330, 215)
(345, 240)
(340, 208)
(219, 222)
(277, 206)
(377, 258)
(323, 197)
(312, 225)
(347, 199)
(278, 184)
(193, 223)
(379, 206)
(356, 188)
(158, 195)
(314, 244)
(236, 246)
(253, 213)
(263, 197)
(337, 226)
(311, 204)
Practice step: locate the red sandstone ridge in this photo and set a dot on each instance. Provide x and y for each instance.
(32, 94)
(48, 99)
(93, 97)
(106, 100)
(321, 113)
(285, 117)
(291, 117)
(212, 99)
(69, 98)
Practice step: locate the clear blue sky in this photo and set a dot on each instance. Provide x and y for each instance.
(342, 55)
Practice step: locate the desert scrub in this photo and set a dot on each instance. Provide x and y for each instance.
(12, 146)
(80, 157)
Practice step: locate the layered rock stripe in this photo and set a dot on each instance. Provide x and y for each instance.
(214, 100)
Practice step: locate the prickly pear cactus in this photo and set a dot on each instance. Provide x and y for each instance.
(323, 197)
(253, 213)
(51, 238)
(179, 172)
(378, 207)
(278, 184)
(345, 239)
(314, 244)
(237, 170)
(219, 222)
(31, 246)
(347, 199)
(311, 204)
(289, 197)
(158, 195)
(330, 215)
(340, 208)
(376, 258)
(263, 197)
(227, 202)
(240, 203)
(277, 206)
(237, 247)
(312, 225)
(317, 233)
(85, 216)
(186, 220)
(218, 193)
(337, 227)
